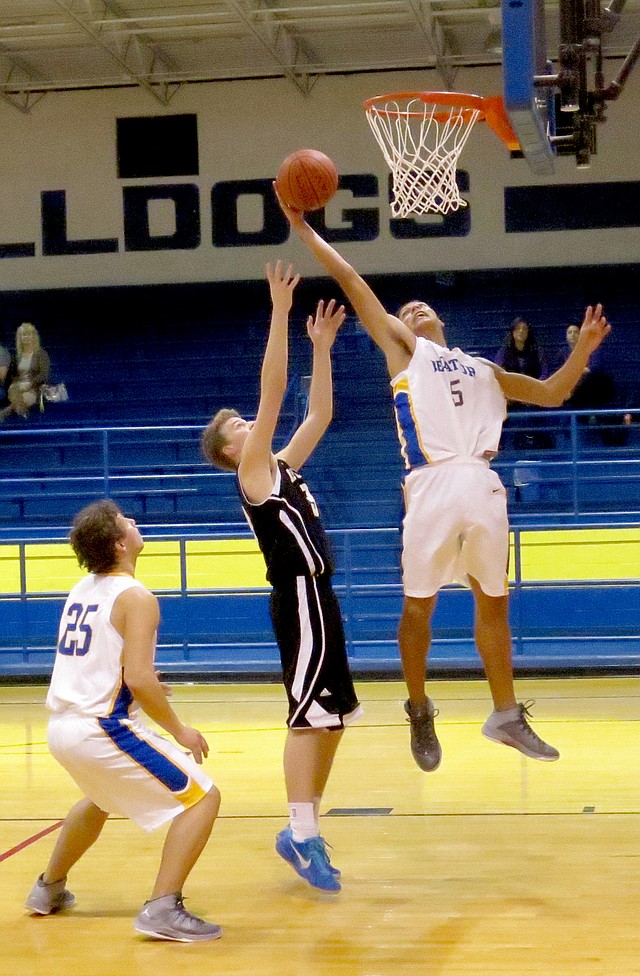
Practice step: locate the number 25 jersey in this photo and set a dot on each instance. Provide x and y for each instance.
(87, 672)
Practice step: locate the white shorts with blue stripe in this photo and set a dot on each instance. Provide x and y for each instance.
(455, 527)
(126, 768)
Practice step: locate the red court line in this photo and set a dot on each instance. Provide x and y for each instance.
(31, 840)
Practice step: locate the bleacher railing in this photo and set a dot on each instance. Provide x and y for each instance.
(574, 624)
(572, 464)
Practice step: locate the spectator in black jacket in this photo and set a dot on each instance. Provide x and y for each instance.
(519, 353)
(596, 390)
(5, 362)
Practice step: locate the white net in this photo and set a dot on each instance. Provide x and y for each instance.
(421, 141)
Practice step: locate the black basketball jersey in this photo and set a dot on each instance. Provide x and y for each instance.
(288, 529)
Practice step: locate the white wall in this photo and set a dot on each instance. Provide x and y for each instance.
(68, 142)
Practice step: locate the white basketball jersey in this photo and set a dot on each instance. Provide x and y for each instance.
(447, 405)
(87, 673)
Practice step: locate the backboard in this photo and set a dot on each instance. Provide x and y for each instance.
(524, 57)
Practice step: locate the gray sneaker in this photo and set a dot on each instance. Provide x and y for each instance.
(47, 899)
(425, 747)
(518, 734)
(167, 918)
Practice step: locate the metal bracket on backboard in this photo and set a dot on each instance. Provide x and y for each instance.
(558, 113)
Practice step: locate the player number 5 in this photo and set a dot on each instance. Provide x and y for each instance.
(456, 394)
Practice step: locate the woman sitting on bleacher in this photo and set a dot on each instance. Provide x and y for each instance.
(5, 362)
(28, 372)
(520, 353)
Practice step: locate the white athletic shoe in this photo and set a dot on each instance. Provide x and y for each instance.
(517, 733)
(167, 918)
(47, 899)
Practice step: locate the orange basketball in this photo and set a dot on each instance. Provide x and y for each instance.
(307, 179)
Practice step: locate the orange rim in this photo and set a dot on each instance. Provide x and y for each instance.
(446, 99)
(491, 110)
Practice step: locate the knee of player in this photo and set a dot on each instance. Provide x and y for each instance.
(418, 607)
(213, 798)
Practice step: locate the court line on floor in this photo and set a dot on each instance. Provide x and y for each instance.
(236, 817)
(394, 815)
(30, 840)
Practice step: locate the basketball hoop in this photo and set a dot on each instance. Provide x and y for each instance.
(421, 135)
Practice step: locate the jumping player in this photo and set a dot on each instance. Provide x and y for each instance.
(304, 610)
(449, 409)
(103, 673)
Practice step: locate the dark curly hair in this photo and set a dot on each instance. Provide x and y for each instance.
(94, 535)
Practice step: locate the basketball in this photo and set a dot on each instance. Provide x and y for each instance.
(307, 179)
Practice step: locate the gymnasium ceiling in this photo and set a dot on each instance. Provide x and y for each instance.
(66, 45)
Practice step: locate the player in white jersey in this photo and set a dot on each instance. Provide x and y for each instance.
(449, 410)
(103, 676)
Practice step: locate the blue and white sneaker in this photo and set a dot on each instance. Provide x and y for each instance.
(309, 859)
(285, 850)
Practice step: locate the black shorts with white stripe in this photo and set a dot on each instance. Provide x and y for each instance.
(307, 623)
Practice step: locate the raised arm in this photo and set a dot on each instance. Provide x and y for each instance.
(255, 469)
(553, 391)
(395, 339)
(322, 330)
(135, 617)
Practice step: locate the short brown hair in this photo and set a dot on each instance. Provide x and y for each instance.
(94, 535)
(213, 440)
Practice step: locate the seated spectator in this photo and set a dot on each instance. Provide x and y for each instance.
(5, 362)
(520, 353)
(596, 390)
(28, 372)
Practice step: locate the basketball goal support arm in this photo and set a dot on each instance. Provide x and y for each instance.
(577, 43)
(614, 90)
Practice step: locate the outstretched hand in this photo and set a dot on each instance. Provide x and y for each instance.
(282, 284)
(323, 327)
(594, 328)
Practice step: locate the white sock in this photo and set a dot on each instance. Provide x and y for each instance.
(508, 715)
(316, 811)
(302, 821)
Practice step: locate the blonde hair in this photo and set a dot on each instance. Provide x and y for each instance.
(23, 330)
(213, 440)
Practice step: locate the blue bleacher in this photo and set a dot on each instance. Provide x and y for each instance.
(177, 352)
(157, 362)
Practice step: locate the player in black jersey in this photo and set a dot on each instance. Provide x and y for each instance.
(304, 609)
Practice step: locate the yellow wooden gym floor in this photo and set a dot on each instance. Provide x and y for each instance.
(494, 864)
